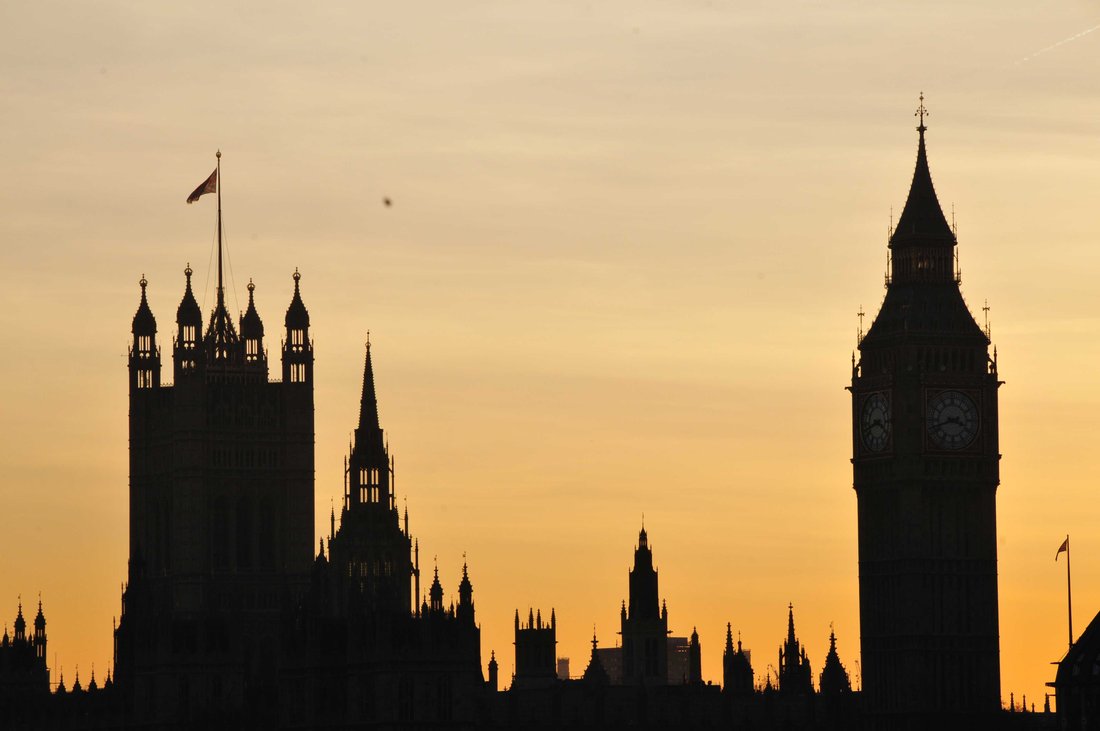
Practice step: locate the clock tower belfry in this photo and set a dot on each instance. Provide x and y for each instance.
(926, 468)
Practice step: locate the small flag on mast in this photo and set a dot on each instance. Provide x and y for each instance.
(1062, 548)
(210, 185)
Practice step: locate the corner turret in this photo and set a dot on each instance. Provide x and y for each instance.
(188, 327)
(297, 348)
(252, 333)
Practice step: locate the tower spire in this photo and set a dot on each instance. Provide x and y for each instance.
(922, 222)
(368, 403)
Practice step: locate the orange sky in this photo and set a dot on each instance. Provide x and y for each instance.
(620, 275)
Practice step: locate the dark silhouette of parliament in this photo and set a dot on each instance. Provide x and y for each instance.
(234, 615)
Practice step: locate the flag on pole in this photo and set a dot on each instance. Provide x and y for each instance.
(1062, 548)
(210, 185)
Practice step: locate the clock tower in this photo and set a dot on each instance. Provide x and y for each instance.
(925, 463)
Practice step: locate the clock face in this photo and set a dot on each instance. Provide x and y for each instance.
(952, 420)
(874, 422)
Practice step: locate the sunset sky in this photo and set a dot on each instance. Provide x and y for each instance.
(620, 275)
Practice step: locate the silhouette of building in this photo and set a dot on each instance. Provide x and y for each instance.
(536, 648)
(695, 659)
(595, 673)
(221, 509)
(1077, 682)
(361, 650)
(834, 679)
(925, 463)
(645, 626)
(795, 676)
(737, 676)
(23, 670)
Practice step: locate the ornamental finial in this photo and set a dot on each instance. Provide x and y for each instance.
(921, 112)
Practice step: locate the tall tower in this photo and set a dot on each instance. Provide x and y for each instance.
(645, 627)
(221, 511)
(372, 546)
(925, 462)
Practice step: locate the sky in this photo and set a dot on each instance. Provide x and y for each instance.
(620, 276)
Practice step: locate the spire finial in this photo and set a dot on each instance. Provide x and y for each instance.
(921, 112)
(251, 287)
(297, 276)
(218, 154)
(368, 339)
(143, 282)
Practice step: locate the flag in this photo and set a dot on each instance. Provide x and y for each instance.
(1063, 548)
(210, 185)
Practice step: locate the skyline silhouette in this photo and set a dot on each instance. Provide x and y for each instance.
(604, 245)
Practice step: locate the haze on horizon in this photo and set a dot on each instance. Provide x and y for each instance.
(620, 274)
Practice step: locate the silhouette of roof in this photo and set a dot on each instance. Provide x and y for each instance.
(251, 324)
(922, 222)
(144, 322)
(188, 313)
(297, 316)
(368, 401)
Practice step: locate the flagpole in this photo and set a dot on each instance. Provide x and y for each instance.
(1069, 595)
(221, 294)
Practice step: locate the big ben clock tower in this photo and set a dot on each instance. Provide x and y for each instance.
(925, 462)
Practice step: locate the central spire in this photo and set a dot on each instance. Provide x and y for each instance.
(368, 403)
(922, 222)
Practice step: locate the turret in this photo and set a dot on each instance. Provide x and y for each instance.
(834, 678)
(144, 353)
(596, 673)
(643, 581)
(20, 625)
(695, 660)
(794, 669)
(494, 676)
(252, 333)
(536, 648)
(297, 348)
(435, 595)
(737, 677)
(465, 597)
(188, 327)
(40, 634)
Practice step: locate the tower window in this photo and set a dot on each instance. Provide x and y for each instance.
(297, 338)
(252, 349)
(297, 373)
(145, 343)
(144, 379)
(189, 335)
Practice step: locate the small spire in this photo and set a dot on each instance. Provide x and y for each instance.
(921, 112)
(368, 400)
